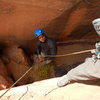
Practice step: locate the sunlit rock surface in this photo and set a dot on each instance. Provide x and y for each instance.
(47, 90)
(63, 20)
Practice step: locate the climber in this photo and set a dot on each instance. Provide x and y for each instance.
(88, 70)
(45, 46)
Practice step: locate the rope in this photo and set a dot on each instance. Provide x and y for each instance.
(16, 82)
(44, 56)
(69, 54)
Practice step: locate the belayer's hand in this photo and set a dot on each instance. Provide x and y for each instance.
(40, 59)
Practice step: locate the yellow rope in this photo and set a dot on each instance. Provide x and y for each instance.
(68, 53)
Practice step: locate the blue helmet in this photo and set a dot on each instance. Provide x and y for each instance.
(38, 32)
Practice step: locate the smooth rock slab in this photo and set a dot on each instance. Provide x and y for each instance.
(47, 90)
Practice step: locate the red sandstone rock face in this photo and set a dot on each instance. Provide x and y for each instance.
(5, 80)
(61, 19)
(18, 63)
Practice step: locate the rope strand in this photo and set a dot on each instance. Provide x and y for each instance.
(16, 82)
(68, 54)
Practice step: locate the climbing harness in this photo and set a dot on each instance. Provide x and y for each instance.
(69, 54)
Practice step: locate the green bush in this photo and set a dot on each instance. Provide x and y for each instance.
(44, 72)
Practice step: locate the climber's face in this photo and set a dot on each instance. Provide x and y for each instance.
(42, 38)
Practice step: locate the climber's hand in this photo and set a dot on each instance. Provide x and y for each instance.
(93, 51)
(40, 59)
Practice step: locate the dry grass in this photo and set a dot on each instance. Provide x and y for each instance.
(44, 72)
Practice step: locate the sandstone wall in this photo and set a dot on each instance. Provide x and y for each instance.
(63, 20)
